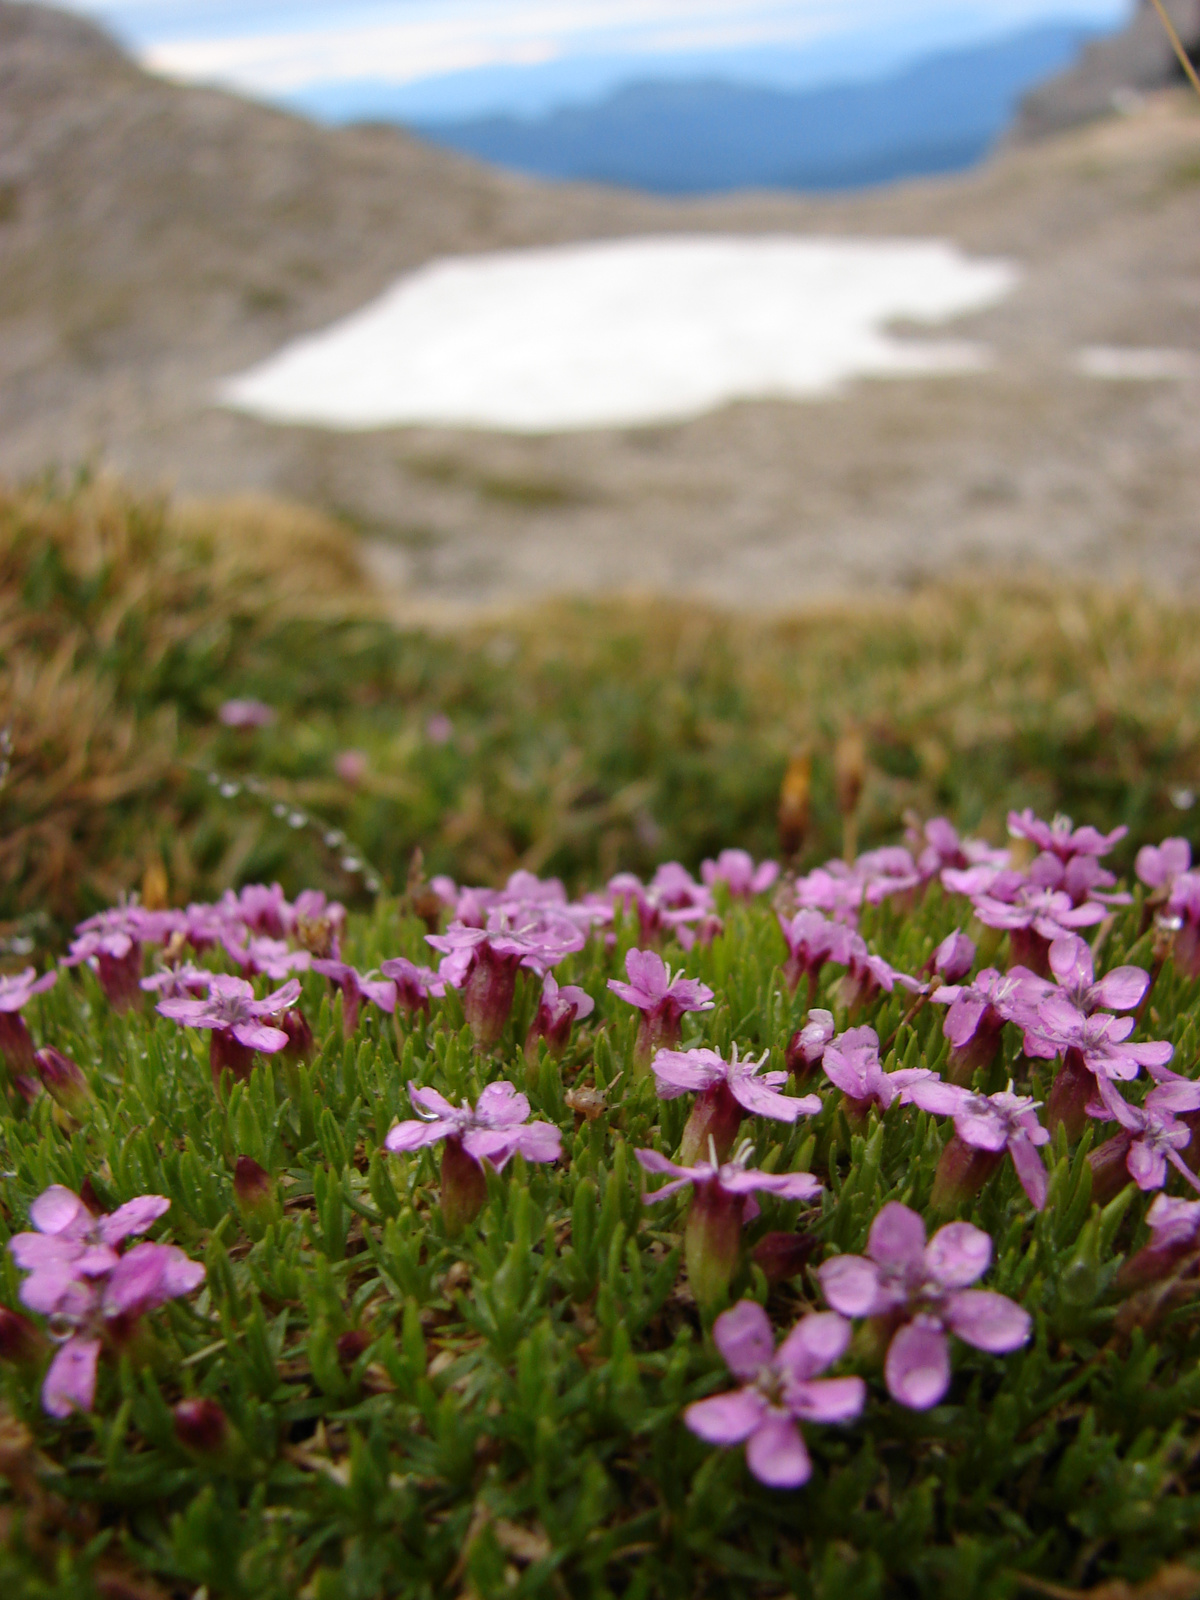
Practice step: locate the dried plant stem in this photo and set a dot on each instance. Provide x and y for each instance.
(1185, 61)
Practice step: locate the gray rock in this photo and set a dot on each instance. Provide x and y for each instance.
(1112, 73)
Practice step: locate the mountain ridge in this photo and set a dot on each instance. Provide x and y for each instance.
(939, 114)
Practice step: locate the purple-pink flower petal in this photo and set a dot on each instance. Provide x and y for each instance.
(917, 1368)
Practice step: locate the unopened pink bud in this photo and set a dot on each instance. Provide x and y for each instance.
(1110, 1170)
(806, 1047)
(351, 1344)
(201, 1426)
(254, 1189)
(954, 957)
(63, 1080)
(487, 995)
(781, 1256)
(301, 1045)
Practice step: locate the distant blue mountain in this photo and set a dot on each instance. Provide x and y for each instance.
(941, 114)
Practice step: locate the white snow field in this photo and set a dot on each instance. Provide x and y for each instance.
(626, 332)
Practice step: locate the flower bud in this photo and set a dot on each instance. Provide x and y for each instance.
(201, 1427)
(351, 1344)
(780, 1256)
(954, 957)
(254, 1190)
(301, 1045)
(20, 1341)
(464, 1187)
(1110, 1170)
(806, 1047)
(63, 1080)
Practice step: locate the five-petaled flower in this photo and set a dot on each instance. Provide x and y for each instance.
(495, 1130)
(93, 1294)
(727, 1090)
(661, 997)
(723, 1198)
(236, 1021)
(779, 1389)
(851, 1062)
(985, 1126)
(916, 1293)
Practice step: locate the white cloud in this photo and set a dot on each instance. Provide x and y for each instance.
(281, 48)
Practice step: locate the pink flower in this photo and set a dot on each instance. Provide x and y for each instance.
(495, 1130)
(93, 1293)
(351, 766)
(1158, 866)
(723, 1198)
(661, 997)
(1096, 1053)
(438, 728)
(834, 889)
(414, 985)
(1062, 837)
(111, 942)
(182, 982)
(780, 1388)
(667, 904)
(806, 1047)
(851, 1062)
(483, 962)
(736, 869)
(558, 1010)
(235, 1020)
(867, 975)
(1151, 1134)
(1081, 877)
(245, 714)
(938, 846)
(985, 1125)
(977, 1014)
(920, 1291)
(885, 872)
(727, 1091)
(954, 957)
(812, 940)
(1174, 1237)
(16, 991)
(273, 958)
(1183, 913)
(355, 989)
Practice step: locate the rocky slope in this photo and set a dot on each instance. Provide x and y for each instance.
(155, 238)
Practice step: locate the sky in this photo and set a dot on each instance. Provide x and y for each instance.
(523, 55)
